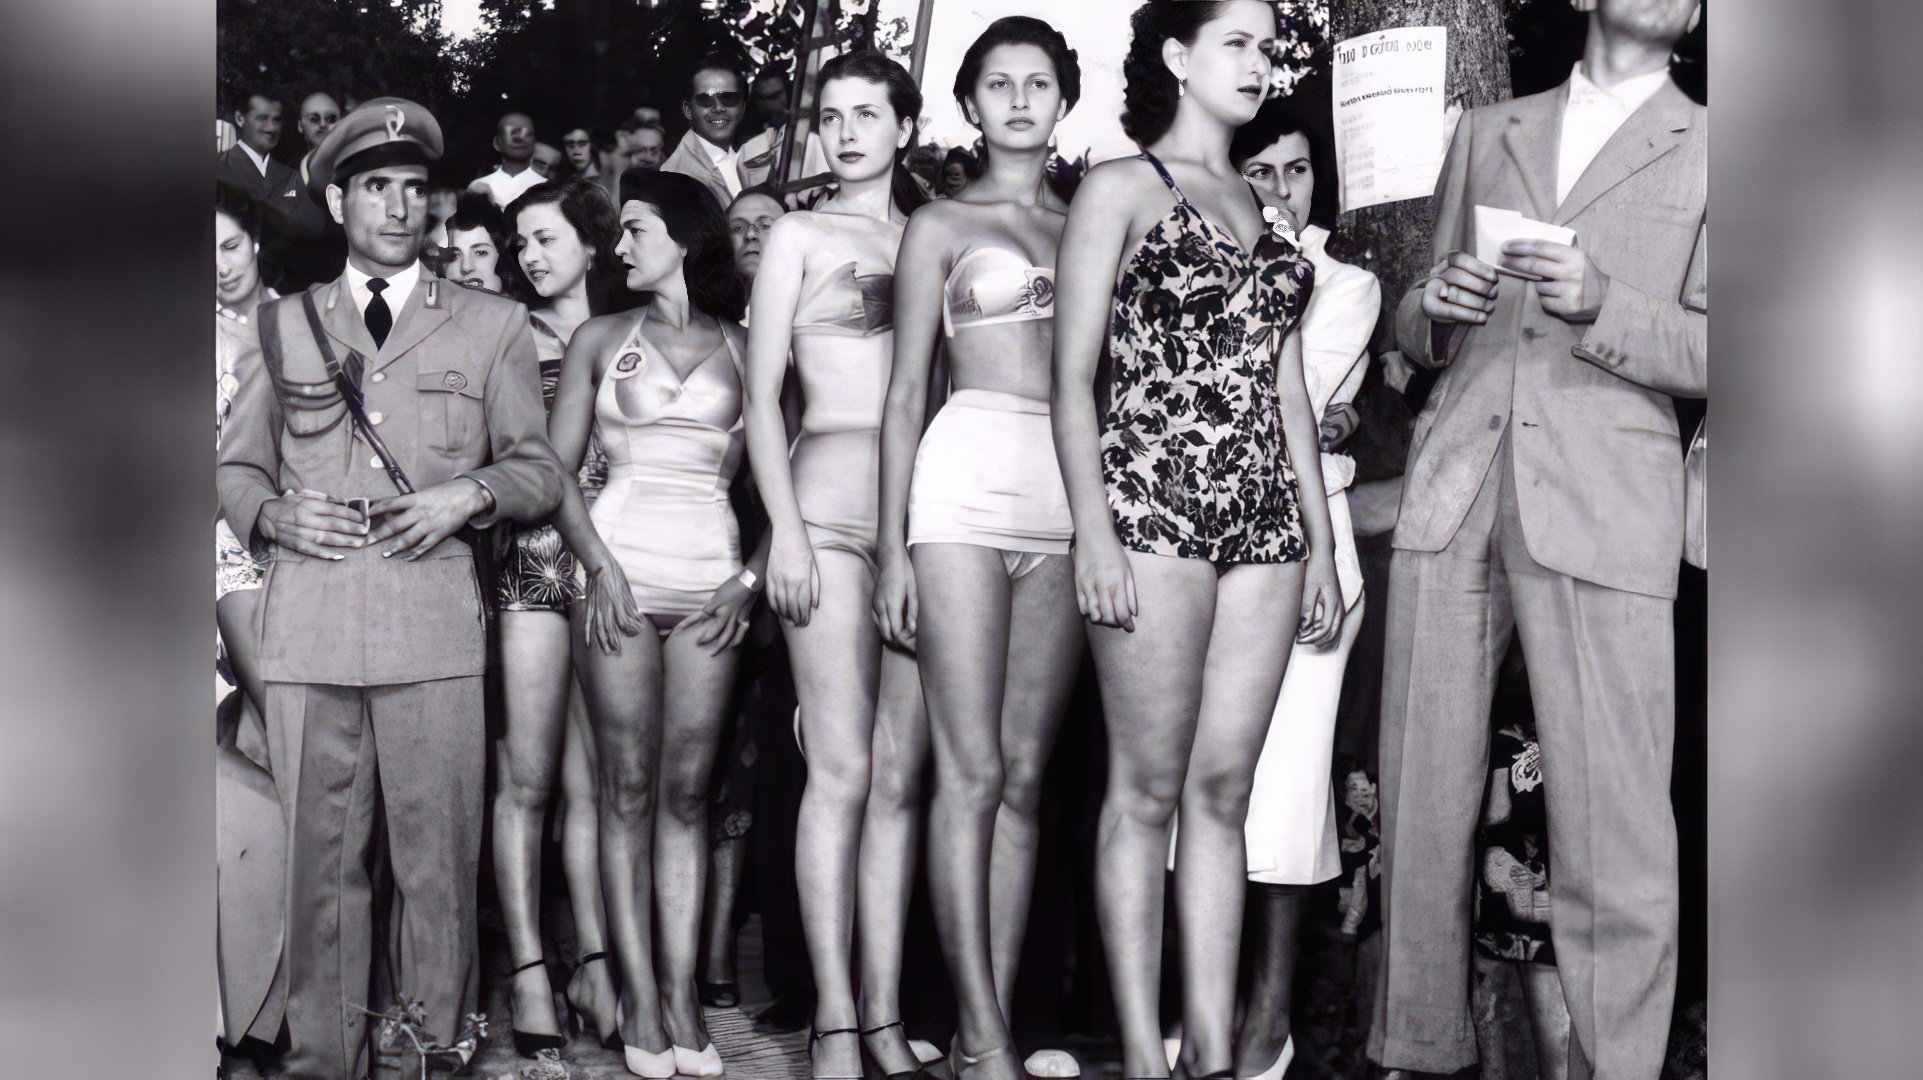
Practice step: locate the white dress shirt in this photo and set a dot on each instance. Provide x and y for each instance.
(724, 161)
(400, 285)
(503, 188)
(260, 160)
(1592, 115)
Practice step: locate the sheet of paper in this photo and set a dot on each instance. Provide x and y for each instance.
(1496, 227)
(1390, 135)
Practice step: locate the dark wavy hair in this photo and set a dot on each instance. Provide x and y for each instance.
(236, 204)
(1304, 112)
(1150, 90)
(903, 96)
(1019, 30)
(585, 206)
(694, 221)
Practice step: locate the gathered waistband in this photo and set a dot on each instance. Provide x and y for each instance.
(996, 401)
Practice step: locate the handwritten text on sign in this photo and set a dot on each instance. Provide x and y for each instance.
(1389, 128)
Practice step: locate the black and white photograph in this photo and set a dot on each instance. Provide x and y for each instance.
(961, 539)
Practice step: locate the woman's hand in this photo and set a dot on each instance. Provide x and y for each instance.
(727, 615)
(1105, 583)
(1338, 423)
(611, 610)
(1322, 608)
(896, 604)
(794, 581)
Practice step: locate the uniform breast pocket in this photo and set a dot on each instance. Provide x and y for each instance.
(450, 404)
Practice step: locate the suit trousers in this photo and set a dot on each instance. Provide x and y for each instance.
(410, 756)
(1602, 676)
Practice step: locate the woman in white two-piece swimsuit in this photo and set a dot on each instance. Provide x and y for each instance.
(980, 582)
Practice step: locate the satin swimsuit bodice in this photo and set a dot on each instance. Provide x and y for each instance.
(994, 285)
(657, 426)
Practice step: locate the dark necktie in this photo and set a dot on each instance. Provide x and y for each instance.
(379, 319)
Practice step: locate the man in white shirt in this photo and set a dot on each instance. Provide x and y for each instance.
(1544, 497)
(514, 141)
(715, 106)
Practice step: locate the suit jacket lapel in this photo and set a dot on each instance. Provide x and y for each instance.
(415, 321)
(343, 320)
(1651, 131)
(1533, 139)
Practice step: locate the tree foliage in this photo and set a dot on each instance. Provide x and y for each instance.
(356, 49)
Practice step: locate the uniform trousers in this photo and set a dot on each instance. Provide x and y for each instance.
(409, 756)
(1602, 676)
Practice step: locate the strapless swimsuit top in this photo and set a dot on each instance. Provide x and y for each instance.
(994, 285)
(845, 302)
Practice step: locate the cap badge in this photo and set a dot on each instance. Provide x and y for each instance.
(395, 121)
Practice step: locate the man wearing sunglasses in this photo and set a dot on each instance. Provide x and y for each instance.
(715, 105)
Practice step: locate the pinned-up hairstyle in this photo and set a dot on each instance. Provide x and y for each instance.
(695, 221)
(904, 97)
(585, 206)
(1019, 30)
(1149, 88)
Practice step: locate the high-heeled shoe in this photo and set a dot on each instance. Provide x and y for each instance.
(816, 1036)
(529, 1043)
(706, 1062)
(718, 995)
(581, 1017)
(648, 1063)
(920, 1071)
(960, 1061)
(1281, 1066)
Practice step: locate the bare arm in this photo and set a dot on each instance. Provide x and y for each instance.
(920, 271)
(611, 612)
(1100, 222)
(1322, 605)
(792, 584)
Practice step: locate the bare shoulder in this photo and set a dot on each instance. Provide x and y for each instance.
(938, 221)
(598, 337)
(737, 336)
(1118, 179)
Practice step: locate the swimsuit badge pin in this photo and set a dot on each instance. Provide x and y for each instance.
(627, 364)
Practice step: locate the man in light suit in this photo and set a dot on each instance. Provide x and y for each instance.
(372, 642)
(714, 110)
(1544, 495)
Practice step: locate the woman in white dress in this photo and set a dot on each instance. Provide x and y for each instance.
(1291, 831)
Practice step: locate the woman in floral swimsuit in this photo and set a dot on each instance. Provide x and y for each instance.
(1201, 555)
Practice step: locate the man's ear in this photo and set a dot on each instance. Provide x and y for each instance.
(496, 144)
(240, 119)
(687, 113)
(336, 198)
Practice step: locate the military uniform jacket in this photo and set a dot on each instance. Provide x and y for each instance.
(454, 392)
(1587, 409)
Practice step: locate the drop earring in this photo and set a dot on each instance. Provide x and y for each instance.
(1182, 87)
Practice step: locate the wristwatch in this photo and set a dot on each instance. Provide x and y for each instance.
(748, 580)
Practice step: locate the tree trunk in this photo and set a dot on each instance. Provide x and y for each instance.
(1392, 240)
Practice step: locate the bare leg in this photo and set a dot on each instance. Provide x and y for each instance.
(836, 661)
(1045, 640)
(963, 642)
(1548, 1019)
(534, 676)
(238, 616)
(1277, 919)
(591, 990)
(624, 695)
(726, 859)
(1256, 613)
(885, 869)
(698, 689)
(1151, 683)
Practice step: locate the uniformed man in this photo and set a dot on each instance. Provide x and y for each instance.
(372, 644)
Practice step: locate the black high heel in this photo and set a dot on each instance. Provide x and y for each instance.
(921, 1071)
(581, 1017)
(526, 1043)
(718, 995)
(816, 1036)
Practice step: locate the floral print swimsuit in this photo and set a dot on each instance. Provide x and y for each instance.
(1192, 451)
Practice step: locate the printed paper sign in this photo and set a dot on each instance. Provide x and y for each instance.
(1390, 136)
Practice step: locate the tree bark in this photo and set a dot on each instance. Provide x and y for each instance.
(1392, 240)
